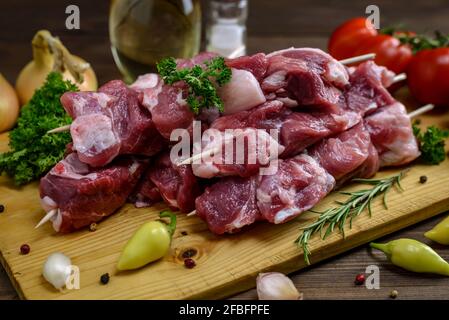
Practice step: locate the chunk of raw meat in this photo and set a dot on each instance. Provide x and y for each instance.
(176, 184)
(241, 152)
(299, 184)
(367, 91)
(310, 76)
(148, 87)
(257, 64)
(83, 195)
(171, 111)
(229, 205)
(344, 153)
(110, 122)
(146, 193)
(392, 135)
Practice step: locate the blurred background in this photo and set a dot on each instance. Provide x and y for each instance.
(271, 25)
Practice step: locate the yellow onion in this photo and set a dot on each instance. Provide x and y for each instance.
(49, 54)
(9, 105)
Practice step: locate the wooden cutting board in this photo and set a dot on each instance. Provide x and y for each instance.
(225, 264)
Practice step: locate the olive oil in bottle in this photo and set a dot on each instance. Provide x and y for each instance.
(143, 32)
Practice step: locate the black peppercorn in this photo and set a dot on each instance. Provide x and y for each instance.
(189, 253)
(2, 208)
(423, 179)
(104, 279)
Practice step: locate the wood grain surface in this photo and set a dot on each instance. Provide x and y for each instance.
(272, 25)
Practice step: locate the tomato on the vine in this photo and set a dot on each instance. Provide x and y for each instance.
(428, 76)
(345, 40)
(390, 52)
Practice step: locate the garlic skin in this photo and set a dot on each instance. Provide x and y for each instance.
(276, 286)
(57, 269)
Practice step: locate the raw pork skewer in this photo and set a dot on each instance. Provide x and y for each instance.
(412, 114)
(345, 61)
(333, 124)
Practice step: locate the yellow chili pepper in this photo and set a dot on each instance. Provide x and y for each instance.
(150, 243)
(414, 256)
(439, 233)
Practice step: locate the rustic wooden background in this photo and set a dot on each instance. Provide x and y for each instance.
(271, 25)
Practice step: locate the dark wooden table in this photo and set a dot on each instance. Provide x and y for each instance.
(272, 25)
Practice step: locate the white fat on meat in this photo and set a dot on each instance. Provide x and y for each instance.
(92, 134)
(299, 184)
(48, 204)
(82, 104)
(241, 93)
(229, 148)
(71, 168)
(335, 72)
(149, 85)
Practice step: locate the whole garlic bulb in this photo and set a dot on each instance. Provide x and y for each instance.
(276, 286)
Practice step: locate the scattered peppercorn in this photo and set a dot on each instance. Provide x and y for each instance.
(93, 227)
(189, 253)
(104, 279)
(184, 233)
(2, 208)
(189, 263)
(423, 179)
(24, 249)
(359, 279)
(394, 294)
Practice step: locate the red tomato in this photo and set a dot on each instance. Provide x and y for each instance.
(428, 76)
(389, 52)
(345, 39)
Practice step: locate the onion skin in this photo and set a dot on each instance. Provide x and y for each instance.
(49, 54)
(9, 105)
(33, 76)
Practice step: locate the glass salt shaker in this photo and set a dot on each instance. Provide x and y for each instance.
(226, 27)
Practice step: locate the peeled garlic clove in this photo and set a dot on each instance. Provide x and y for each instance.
(276, 286)
(57, 269)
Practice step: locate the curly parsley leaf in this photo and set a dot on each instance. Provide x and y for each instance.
(33, 151)
(431, 143)
(202, 92)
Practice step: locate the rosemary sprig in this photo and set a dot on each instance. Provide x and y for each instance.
(357, 202)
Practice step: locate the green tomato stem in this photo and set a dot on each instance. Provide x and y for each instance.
(171, 226)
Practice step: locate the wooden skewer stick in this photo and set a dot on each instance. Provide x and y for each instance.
(47, 218)
(361, 58)
(399, 77)
(420, 111)
(411, 115)
(193, 213)
(60, 129)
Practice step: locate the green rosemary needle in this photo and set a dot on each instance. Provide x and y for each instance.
(357, 202)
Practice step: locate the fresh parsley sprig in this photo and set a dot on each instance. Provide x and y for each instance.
(431, 144)
(357, 202)
(202, 92)
(34, 152)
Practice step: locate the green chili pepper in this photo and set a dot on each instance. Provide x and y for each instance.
(150, 243)
(439, 233)
(414, 256)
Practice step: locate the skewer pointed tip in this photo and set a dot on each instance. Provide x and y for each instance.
(60, 129)
(421, 110)
(47, 218)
